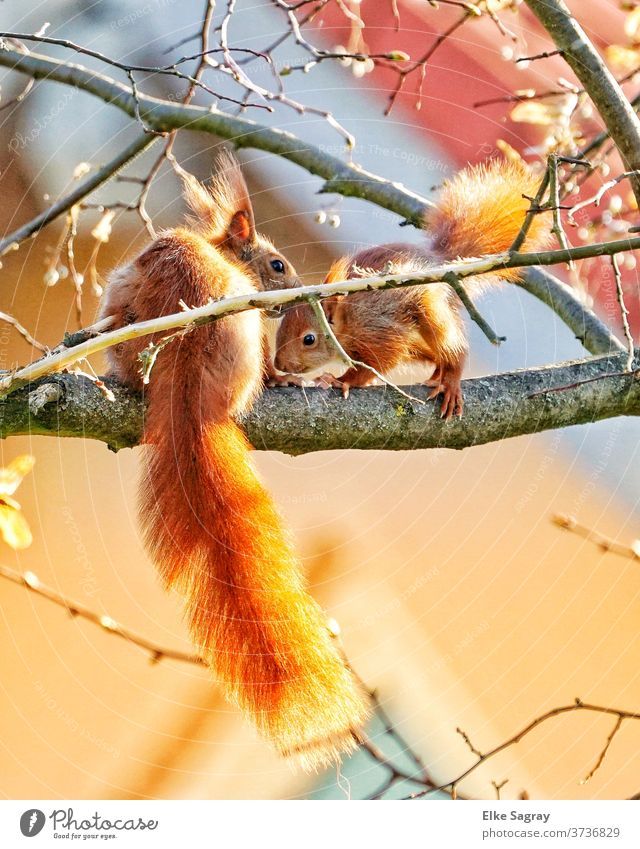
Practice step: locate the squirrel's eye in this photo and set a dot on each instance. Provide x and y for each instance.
(278, 266)
(309, 339)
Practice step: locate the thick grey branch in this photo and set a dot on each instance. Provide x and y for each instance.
(163, 116)
(617, 113)
(590, 331)
(343, 178)
(299, 421)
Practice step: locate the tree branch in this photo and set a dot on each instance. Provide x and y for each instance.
(163, 116)
(297, 421)
(578, 705)
(342, 178)
(62, 357)
(590, 331)
(617, 113)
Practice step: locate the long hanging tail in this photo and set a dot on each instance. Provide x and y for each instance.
(481, 210)
(216, 536)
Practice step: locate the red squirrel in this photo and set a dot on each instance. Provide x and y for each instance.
(210, 527)
(223, 216)
(480, 211)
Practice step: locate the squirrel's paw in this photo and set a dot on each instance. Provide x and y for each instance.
(328, 381)
(452, 399)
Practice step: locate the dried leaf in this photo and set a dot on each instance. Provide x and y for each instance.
(12, 476)
(13, 527)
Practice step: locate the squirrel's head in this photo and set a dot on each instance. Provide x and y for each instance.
(271, 268)
(301, 344)
(223, 215)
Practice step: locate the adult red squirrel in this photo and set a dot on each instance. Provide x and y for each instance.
(222, 214)
(480, 211)
(210, 527)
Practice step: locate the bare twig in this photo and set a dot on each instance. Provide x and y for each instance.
(75, 608)
(106, 172)
(554, 204)
(597, 197)
(603, 753)
(268, 300)
(624, 312)
(606, 544)
(333, 340)
(453, 280)
(129, 70)
(578, 705)
(9, 319)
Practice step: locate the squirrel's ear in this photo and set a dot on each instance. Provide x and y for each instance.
(223, 209)
(330, 307)
(241, 228)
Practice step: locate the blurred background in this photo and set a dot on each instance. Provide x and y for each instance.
(459, 601)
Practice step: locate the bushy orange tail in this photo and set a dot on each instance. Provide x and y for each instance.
(216, 536)
(481, 210)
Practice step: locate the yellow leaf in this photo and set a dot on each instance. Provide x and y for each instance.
(632, 24)
(509, 152)
(547, 112)
(494, 6)
(14, 528)
(12, 476)
(623, 60)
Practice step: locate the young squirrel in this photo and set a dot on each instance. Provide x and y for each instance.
(480, 211)
(223, 216)
(210, 527)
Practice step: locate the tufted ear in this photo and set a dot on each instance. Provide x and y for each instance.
(241, 229)
(222, 211)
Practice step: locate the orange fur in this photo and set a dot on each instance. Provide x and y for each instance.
(480, 211)
(209, 525)
(223, 215)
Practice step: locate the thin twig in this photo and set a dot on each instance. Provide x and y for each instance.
(482, 758)
(603, 753)
(453, 280)
(606, 544)
(333, 340)
(277, 298)
(624, 312)
(597, 197)
(75, 608)
(106, 172)
(4, 316)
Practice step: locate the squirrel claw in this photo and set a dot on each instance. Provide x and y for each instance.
(328, 381)
(452, 401)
